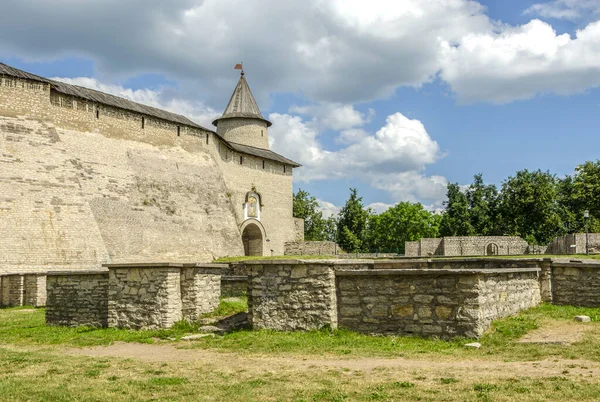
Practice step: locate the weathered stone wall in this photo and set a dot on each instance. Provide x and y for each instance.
(291, 295)
(576, 283)
(34, 289)
(13, 287)
(234, 286)
(574, 244)
(299, 228)
(144, 296)
(77, 298)
(442, 303)
(467, 246)
(311, 248)
(430, 246)
(412, 248)
(200, 290)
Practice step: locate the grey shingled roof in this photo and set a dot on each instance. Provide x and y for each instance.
(242, 104)
(263, 153)
(115, 101)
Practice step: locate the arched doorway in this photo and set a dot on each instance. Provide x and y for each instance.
(253, 240)
(492, 249)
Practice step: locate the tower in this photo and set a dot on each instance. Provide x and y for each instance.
(242, 122)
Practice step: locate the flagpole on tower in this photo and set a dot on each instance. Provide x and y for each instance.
(239, 66)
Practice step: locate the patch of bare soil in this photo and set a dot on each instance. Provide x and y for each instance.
(458, 368)
(557, 333)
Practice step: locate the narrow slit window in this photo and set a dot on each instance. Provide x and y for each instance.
(263, 164)
(241, 159)
(143, 122)
(262, 133)
(178, 131)
(97, 113)
(207, 138)
(283, 168)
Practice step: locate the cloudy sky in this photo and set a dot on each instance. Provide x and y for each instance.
(395, 98)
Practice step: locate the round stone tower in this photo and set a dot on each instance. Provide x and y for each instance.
(242, 122)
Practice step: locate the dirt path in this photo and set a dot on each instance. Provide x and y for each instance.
(459, 368)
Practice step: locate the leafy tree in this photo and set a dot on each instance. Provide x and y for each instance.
(455, 221)
(352, 224)
(578, 193)
(529, 206)
(404, 221)
(316, 227)
(483, 207)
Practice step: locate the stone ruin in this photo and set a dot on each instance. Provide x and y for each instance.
(437, 297)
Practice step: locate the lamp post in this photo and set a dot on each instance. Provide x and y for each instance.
(586, 218)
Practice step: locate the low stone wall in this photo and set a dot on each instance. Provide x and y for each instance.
(77, 298)
(311, 248)
(200, 290)
(442, 303)
(136, 296)
(23, 290)
(292, 295)
(576, 283)
(234, 286)
(12, 290)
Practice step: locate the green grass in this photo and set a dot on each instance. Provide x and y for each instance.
(229, 306)
(34, 368)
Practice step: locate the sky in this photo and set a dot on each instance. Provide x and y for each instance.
(394, 98)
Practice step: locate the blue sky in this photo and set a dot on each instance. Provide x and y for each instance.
(396, 99)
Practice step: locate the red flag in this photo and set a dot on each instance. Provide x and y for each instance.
(238, 67)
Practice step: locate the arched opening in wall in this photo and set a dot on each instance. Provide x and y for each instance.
(253, 240)
(491, 249)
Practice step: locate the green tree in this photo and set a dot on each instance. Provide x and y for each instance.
(404, 221)
(529, 206)
(352, 224)
(578, 193)
(483, 207)
(316, 228)
(456, 219)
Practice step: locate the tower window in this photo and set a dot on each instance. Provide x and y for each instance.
(262, 133)
(143, 122)
(241, 159)
(283, 168)
(207, 138)
(178, 131)
(263, 164)
(97, 113)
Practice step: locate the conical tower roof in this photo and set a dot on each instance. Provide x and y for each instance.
(242, 104)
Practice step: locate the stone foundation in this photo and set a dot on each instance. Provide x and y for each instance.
(23, 290)
(292, 295)
(234, 286)
(311, 248)
(576, 283)
(77, 298)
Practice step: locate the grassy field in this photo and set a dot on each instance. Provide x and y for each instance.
(40, 363)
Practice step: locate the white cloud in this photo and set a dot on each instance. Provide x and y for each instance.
(393, 159)
(379, 207)
(572, 10)
(334, 116)
(520, 62)
(195, 111)
(328, 208)
(338, 52)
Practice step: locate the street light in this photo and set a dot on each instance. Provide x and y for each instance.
(586, 218)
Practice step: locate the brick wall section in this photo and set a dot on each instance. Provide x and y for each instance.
(442, 303)
(467, 246)
(576, 283)
(412, 248)
(430, 246)
(574, 244)
(34, 293)
(311, 248)
(292, 295)
(77, 298)
(200, 290)
(144, 296)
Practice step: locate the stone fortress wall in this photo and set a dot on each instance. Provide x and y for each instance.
(85, 183)
(574, 244)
